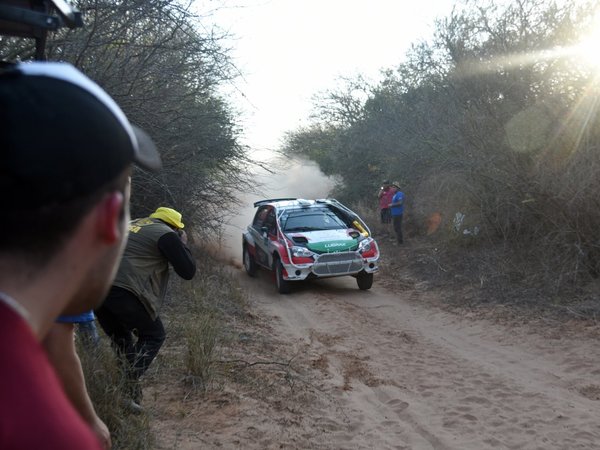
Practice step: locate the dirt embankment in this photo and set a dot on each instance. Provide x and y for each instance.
(330, 367)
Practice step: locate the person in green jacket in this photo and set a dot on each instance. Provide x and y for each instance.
(130, 313)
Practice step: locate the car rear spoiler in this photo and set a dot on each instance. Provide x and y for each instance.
(271, 200)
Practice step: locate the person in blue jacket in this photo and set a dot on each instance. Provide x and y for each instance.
(397, 209)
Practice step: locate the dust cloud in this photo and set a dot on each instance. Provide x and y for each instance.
(291, 178)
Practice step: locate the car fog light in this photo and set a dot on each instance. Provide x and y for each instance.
(298, 273)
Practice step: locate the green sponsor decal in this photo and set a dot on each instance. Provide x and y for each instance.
(333, 246)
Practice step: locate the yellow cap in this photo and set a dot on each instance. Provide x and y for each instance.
(169, 216)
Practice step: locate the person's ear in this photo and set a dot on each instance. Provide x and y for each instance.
(110, 217)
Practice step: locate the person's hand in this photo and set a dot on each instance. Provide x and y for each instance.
(101, 431)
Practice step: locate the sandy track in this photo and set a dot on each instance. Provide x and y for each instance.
(383, 370)
(401, 375)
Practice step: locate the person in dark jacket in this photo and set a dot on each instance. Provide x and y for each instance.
(130, 313)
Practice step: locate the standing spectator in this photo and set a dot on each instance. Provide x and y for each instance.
(385, 198)
(397, 208)
(66, 151)
(133, 303)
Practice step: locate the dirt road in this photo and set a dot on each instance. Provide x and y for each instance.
(382, 370)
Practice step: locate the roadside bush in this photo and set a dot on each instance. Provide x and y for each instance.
(201, 340)
(106, 384)
(486, 126)
(197, 313)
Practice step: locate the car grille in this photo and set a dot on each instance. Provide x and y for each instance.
(337, 263)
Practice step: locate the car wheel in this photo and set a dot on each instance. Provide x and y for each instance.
(364, 280)
(283, 286)
(249, 263)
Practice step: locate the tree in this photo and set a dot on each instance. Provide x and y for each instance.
(496, 117)
(164, 70)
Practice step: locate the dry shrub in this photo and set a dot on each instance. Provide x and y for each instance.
(443, 195)
(195, 316)
(106, 385)
(369, 213)
(572, 212)
(197, 313)
(201, 339)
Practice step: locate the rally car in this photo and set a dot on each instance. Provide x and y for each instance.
(299, 239)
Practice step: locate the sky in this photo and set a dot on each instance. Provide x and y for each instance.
(289, 50)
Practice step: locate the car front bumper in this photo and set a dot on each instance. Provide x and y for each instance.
(332, 265)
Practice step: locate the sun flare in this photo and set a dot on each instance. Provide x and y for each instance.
(589, 47)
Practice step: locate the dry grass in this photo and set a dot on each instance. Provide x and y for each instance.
(197, 317)
(106, 384)
(201, 340)
(501, 279)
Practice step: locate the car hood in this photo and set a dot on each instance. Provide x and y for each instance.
(324, 241)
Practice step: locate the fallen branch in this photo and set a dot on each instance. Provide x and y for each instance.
(247, 364)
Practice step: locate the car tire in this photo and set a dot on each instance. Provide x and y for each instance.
(364, 280)
(283, 286)
(249, 262)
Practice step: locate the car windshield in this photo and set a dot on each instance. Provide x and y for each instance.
(311, 220)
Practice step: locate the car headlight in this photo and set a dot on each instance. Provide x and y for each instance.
(301, 252)
(365, 245)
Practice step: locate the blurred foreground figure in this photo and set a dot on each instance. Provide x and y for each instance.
(66, 151)
(129, 315)
(59, 344)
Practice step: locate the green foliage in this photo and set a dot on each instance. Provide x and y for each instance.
(496, 117)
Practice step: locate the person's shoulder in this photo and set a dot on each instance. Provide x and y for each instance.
(148, 224)
(136, 225)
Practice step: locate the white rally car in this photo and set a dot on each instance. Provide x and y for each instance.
(300, 239)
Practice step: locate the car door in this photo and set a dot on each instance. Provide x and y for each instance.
(269, 233)
(259, 231)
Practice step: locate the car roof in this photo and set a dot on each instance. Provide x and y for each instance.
(289, 203)
(283, 204)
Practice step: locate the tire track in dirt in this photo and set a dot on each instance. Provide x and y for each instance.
(406, 376)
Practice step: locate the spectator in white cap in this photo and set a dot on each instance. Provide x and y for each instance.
(66, 151)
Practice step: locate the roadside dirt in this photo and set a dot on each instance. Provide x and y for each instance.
(333, 367)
